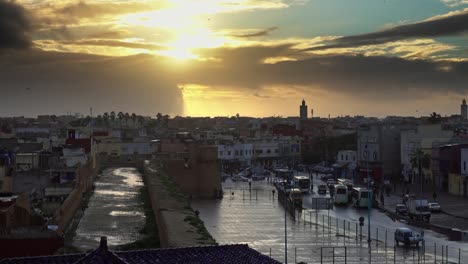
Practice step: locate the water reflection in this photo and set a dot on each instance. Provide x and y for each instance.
(113, 210)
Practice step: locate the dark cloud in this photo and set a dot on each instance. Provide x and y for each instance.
(447, 25)
(358, 76)
(14, 26)
(265, 32)
(62, 82)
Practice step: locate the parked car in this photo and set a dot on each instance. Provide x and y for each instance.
(435, 207)
(327, 177)
(407, 236)
(258, 177)
(331, 182)
(401, 209)
(322, 189)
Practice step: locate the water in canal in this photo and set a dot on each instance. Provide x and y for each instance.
(114, 210)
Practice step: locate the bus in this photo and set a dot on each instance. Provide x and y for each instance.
(284, 174)
(361, 197)
(302, 183)
(341, 194)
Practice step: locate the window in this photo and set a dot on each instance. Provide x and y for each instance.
(229, 153)
(237, 153)
(342, 157)
(268, 151)
(346, 157)
(276, 150)
(242, 152)
(464, 165)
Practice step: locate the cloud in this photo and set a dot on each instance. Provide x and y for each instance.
(257, 34)
(114, 43)
(454, 3)
(453, 23)
(74, 12)
(54, 82)
(357, 76)
(14, 26)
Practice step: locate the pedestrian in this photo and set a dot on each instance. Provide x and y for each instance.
(273, 193)
(434, 196)
(382, 201)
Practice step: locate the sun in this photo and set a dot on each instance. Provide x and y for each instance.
(187, 27)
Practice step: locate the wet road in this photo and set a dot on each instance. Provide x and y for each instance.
(256, 218)
(114, 210)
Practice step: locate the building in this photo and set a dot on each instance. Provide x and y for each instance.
(192, 165)
(346, 164)
(303, 110)
(449, 168)
(464, 110)
(422, 137)
(378, 151)
(226, 254)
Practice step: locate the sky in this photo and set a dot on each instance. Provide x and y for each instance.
(222, 57)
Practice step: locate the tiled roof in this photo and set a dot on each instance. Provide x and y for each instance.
(227, 254)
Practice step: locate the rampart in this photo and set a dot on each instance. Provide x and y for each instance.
(178, 225)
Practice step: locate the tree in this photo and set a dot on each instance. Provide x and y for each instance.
(126, 117)
(120, 116)
(435, 118)
(166, 120)
(112, 116)
(134, 118)
(106, 118)
(159, 118)
(419, 155)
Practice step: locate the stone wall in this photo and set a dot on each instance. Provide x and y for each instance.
(86, 175)
(172, 212)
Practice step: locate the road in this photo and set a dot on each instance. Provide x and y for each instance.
(255, 217)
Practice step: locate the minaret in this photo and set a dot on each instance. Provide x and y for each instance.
(463, 110)
(303, 110)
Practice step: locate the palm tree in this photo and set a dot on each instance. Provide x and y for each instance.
(112, 116)
(120, 115)
(435, 118)
(166, 120)
(127, 117)
(106, 118)
(159, 118)
(134, 117)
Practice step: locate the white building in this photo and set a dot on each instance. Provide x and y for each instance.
(236, 151)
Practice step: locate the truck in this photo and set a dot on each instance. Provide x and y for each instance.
(418, 209)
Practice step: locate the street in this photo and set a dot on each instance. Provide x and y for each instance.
(255, 217)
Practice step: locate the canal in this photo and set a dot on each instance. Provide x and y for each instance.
(114, 210)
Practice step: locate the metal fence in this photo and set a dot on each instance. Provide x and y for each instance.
(338, 240)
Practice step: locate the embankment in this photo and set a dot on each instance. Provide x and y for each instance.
(85, 176)
(178, 224)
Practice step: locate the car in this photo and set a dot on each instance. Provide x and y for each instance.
(258, 177)
(434, 207)
(400, 209)
(407, 236)
(331, 182)
(322, 189)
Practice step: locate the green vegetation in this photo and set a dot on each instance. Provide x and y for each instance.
(326, 148)
(149, 231)
(192, 217)
(198, 224)
(172, 187)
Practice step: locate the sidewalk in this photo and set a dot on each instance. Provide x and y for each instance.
(454, 208)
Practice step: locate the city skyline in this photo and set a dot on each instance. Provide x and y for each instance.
(219, 58)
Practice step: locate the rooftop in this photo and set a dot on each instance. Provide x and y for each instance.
(226, 254)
